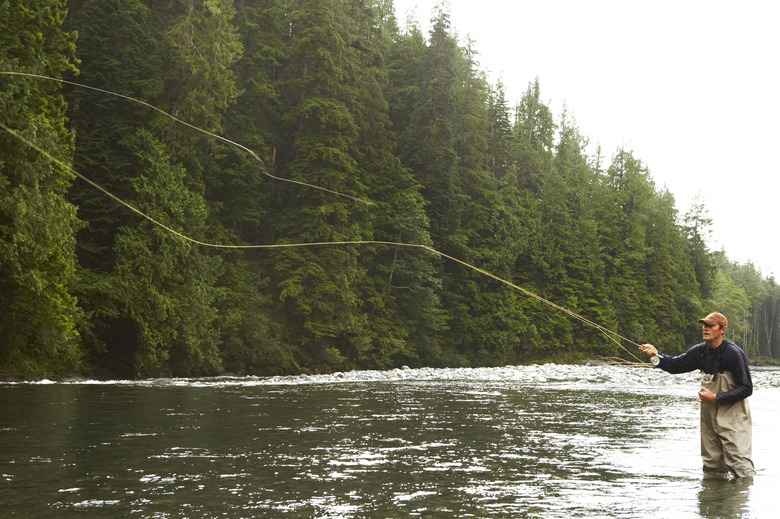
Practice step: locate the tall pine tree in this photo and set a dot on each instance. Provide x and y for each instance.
(318, 285)
(38, 314)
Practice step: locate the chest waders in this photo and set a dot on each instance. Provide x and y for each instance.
(726, 430)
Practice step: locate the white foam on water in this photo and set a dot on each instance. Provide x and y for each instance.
(608, 377)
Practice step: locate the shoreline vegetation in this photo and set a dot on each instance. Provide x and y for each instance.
(333, 94)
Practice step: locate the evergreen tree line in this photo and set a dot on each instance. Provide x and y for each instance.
(330, 93)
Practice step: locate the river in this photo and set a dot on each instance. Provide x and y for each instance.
(545, 441)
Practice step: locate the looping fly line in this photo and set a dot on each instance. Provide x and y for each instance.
(612, 335)
(196, 128)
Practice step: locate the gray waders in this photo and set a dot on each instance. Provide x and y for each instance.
(726, 430)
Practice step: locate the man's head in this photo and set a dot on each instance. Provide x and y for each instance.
(714, 326)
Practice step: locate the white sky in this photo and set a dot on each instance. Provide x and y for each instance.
(691, 86)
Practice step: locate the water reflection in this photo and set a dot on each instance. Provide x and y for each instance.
(565, 442)
(724, 497)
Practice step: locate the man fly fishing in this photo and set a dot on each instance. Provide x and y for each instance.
(726, 425)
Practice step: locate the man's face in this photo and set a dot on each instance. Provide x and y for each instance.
(713, 333)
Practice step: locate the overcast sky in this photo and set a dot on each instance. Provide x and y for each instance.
(692, 87)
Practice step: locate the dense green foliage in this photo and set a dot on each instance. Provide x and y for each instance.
(330, 93)
(38, 312)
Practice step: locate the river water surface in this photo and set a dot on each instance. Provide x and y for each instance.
(537, 441)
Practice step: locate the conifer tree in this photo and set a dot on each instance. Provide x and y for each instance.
(209, 71)
(180, 60)
(252, 329)
(38, 313)
(430, 143)
(571, 261)
(696, 225)
(318, 284)
(469, 296)
(506, 333)
(167, 285)
(672, 291)
(119, 54)
(254, 120)
(398, 289)
(734, 287)
(500, 140)
(405, 64)
(532, 156)
(625, 216)
(535, 131)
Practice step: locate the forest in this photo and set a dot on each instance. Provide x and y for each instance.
(359, 130)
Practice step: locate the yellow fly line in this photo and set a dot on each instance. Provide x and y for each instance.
(612, 335)
(185, 123)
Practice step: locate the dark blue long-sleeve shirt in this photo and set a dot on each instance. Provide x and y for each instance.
(726, 357)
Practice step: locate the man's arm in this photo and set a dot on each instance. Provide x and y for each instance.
(688, 361)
